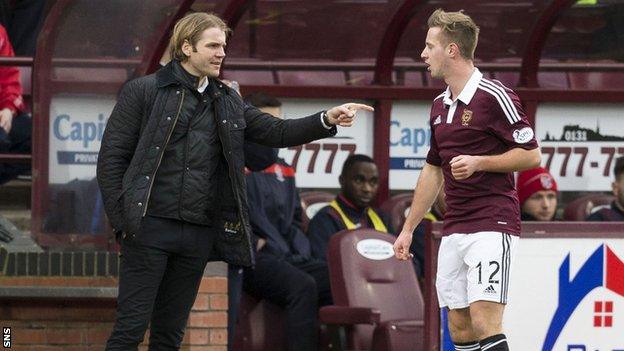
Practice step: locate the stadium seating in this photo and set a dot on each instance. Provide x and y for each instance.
(396, 207)
(248, 77)
(377, 299)
(312, 202)
(509, 79)
(582, 207)
(311, 77)
(596, 80)
(260, 326)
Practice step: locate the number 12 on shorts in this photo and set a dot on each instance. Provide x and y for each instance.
(494, 271)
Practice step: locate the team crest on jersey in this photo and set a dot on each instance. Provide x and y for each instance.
(438, 120)
(466, 117)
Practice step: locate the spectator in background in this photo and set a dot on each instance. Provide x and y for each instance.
(359, 181)
(285, 273)
(616, 212)
(15, 124)
(537, 192)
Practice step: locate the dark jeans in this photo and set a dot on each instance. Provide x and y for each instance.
(299, 287)
(18, 141)
(161, 270)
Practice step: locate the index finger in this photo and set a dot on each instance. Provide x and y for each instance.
(356, 106)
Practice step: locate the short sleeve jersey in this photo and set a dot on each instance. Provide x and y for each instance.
(485, 119)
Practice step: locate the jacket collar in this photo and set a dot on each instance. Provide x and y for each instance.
(166, 76)
(469, 89)
(350, 209)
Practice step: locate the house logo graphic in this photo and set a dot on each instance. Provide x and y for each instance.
(603, 269)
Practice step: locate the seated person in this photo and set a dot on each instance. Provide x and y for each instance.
(15, 124)
(285, 273)
(537, 192)
(352, 209)
(616, 212)
(257, 158)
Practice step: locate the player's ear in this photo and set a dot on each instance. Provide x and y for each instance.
(452, 49)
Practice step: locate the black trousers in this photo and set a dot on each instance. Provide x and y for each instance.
(299, 287)
(161, 270)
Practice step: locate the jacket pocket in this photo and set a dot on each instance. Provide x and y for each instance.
(230, 228)
(237, 133)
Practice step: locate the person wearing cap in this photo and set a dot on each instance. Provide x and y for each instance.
(537, 192)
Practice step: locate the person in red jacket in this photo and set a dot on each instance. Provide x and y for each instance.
(15, 123)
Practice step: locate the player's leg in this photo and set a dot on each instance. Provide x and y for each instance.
(451, 290)
(487, 322)
(460, 326)
(489, 256)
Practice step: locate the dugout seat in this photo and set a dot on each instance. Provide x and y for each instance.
(260, 326)
(250, 77)
(397, 207)
(378, 303)
(311, 203)
(311, 77)
(582, 207)
(596, 80)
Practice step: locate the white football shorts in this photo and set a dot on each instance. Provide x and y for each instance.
(474, 267)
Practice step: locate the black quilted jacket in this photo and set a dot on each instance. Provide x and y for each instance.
(137, 134)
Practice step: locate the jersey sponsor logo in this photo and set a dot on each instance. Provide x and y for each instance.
(466, 117)
(523, 136)
(600, 278)
(438, 120)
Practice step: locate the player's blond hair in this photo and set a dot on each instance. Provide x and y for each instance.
(190, 28)
(457, 28)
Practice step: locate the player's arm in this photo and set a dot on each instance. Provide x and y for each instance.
(425, 193)
(516, 159)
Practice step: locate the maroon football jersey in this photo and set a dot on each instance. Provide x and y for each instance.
(485, 119)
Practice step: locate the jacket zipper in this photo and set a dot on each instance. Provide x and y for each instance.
(162, 152)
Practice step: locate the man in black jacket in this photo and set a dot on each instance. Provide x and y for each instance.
(171, 173)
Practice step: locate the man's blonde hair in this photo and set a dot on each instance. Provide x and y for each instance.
(457, 28)
(190, 28)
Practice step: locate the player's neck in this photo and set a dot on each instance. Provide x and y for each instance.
(460, 75)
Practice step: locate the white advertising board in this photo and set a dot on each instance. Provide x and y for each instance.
(567, 295)
(318, 164)
(580, 142)
(410, 136)
(77, 124)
